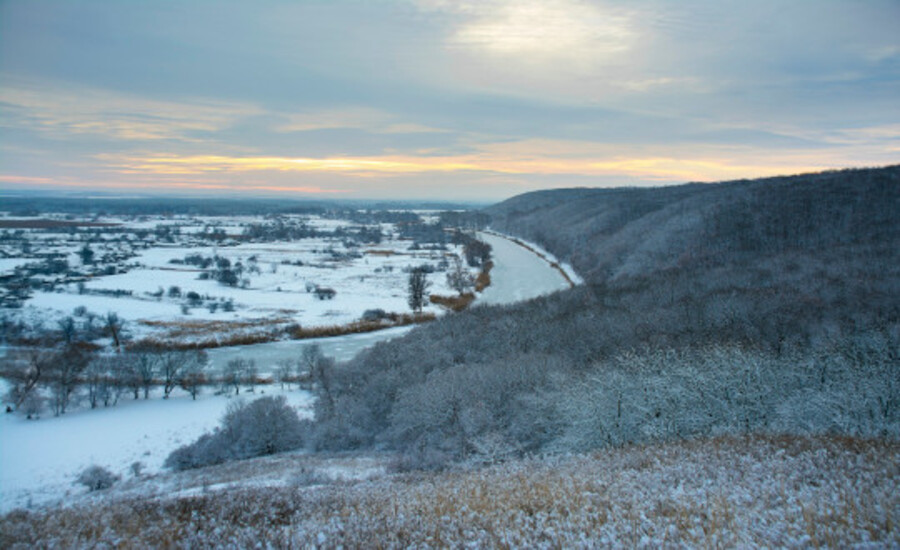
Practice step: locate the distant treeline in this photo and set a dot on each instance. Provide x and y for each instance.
(35, 205)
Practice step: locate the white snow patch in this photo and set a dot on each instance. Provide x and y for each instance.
(40, 459)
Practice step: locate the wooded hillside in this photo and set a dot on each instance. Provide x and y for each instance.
(769, 305)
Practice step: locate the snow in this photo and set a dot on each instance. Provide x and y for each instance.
(40, 459)
(8, 265)
(126, 307)
(518, 273)
(569, 270)
(275, 289)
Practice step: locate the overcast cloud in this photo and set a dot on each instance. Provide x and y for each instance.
(440, 99)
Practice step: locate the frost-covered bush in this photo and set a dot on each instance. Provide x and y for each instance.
(263, 427)
(374, 315)
(97, 478)
(436, 400)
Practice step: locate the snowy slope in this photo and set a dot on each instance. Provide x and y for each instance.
(39, 459)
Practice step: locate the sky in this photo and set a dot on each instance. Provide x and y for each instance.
(436, 99)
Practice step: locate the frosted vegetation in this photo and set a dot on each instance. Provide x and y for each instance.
(764, 306)
(728, 374)
(731, 492)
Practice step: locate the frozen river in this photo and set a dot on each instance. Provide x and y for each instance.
(518, 274)
(342, 348)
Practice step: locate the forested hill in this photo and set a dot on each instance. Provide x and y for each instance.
(754, 306)
(610, 233)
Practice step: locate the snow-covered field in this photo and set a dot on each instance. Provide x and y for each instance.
(150, 279)
(39, 459)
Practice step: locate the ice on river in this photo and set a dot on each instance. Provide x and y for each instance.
(518, 274)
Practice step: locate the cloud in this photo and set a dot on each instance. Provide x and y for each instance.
(675, 163)
(546, 32)
(352, 117)
(10, 178)
(360, 166)
(68, 111)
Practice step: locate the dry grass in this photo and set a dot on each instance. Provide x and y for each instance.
(178, 329)
(357, 327)
(247, 339)
(194, 335)
(377, 252)
(725, 492)
(453, 303)
(484, 278)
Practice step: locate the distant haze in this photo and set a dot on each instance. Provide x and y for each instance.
(432, 99)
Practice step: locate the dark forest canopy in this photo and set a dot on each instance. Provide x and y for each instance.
(608, 233)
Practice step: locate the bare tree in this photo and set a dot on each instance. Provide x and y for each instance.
(308, 359)
(320, 372)
(98, 381)
(250, 375)
(114, 326)
(126, 374)
(65, 376)
(25, 372)
(458, 277)
(418, 286)
(193, 374)
(67, 329)
(146, 365)
(238, 371)
(284, 371)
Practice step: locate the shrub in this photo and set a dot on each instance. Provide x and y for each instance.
(374, 315)
(263, 427)
(97, 478)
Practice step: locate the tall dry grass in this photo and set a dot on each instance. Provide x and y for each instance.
(723, 492)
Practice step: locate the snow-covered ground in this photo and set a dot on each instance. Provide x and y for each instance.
(274, 279)
(8, 265)
(40, 459)
(518, 274)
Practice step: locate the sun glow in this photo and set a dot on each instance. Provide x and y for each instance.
(653, 168)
